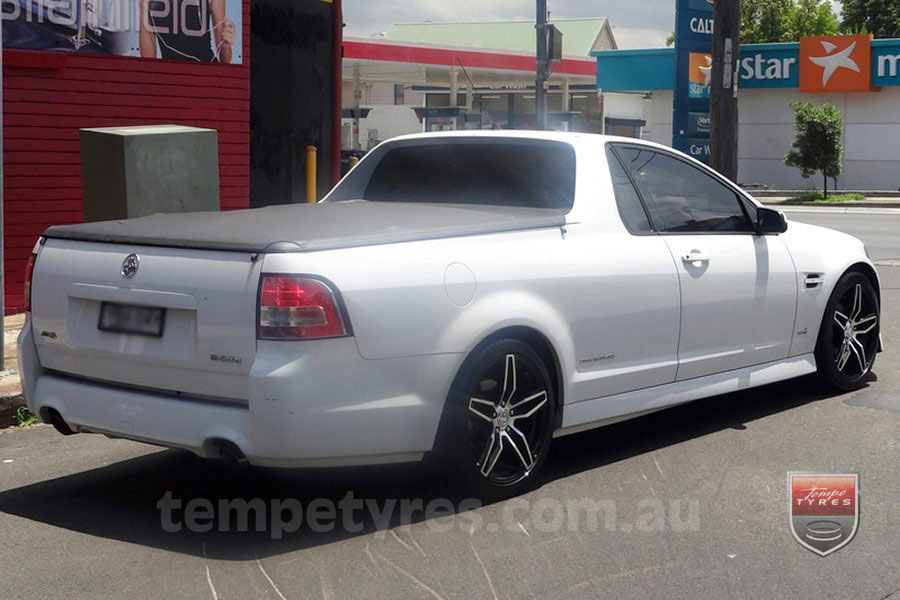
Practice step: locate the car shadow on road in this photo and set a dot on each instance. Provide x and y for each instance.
(119, 501)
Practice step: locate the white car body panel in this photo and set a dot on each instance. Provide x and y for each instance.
(203, 316)
(747, 275)
(634, 329)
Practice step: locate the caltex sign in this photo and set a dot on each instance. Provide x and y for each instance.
(693, 45)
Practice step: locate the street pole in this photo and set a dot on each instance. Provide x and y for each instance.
(723, 103)
(2, 237)
(540, 94)
(357, 98)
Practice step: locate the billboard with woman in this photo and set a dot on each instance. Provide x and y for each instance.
(194, 30)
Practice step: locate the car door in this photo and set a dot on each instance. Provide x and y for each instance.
(738, 288)
(624, 314)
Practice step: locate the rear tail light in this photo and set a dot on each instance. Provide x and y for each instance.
(29, 271)
(298, 308)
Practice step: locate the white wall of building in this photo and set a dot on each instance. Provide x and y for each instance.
(623, 106)
(384, 122)
(659, 125)
(871, 159)
(386, 119)
(377, 92)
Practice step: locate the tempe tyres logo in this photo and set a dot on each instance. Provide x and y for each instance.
(836, 63)
(823, 509)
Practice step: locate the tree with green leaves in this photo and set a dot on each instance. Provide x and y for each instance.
(786, 20)
(817, 147)
(880, 17)
(766, 21)
(814, 17)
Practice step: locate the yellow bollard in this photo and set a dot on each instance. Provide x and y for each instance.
(311, 174)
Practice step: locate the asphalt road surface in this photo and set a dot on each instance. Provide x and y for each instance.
(697, 494)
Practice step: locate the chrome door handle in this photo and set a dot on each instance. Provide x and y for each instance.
(695, 256)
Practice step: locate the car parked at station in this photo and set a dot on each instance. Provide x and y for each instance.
(470, 294)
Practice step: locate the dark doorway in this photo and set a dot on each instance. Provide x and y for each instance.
(291, 97)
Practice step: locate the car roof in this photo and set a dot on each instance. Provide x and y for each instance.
(574, 138)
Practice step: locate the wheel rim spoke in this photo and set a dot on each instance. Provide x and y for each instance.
(860, 353)
(524, 453)
(872, 319)
(492, 453)
(857, 302)
(844, 356)
(530, 405)
(483, 409)
(838, 315)
(509, 379)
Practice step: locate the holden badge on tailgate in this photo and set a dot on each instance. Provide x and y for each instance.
(130, 265)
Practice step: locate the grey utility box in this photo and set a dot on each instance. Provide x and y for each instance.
(131, 172)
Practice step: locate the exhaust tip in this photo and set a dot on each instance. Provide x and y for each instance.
(229, 453)
(52, 416)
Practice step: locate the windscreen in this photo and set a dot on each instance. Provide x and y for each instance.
(515, 173)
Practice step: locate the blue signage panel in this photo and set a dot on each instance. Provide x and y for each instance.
(769, 66)
(699, 26)
(760, 66)
(697, 124)
(885, 62)
(693, 66)
(622, 70)
(705, 5)
(697, 148)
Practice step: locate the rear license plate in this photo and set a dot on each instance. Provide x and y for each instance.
(127, 318)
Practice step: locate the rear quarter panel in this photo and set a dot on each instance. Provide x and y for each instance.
(590, 288)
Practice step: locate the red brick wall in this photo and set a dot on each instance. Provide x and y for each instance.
(49, 96)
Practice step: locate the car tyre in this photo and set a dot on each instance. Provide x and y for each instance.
(848, 337)
(499, 419)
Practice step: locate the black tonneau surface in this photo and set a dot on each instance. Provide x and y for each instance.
(311, 227)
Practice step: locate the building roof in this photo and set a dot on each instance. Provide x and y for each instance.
(423, 64)
(580, 36)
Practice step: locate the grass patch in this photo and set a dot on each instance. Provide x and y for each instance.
(819, 198)
(23, 417)
(16, 417)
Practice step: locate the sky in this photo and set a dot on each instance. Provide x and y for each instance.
(640, 23)
(365, 18)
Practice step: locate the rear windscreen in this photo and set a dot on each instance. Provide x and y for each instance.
(528, 174)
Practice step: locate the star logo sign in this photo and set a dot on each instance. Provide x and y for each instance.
(831, 61)
(835, 63)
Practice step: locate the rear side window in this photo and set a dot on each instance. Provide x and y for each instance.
(680, 197)
(630, 208)
(514, 173)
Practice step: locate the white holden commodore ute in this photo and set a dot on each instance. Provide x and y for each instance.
(470, 295)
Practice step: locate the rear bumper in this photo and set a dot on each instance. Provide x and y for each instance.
(311, 404)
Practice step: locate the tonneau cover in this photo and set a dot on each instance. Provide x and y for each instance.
(311, 227)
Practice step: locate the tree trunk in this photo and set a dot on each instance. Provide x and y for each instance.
(825, 188)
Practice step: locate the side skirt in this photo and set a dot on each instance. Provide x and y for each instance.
(588, 414)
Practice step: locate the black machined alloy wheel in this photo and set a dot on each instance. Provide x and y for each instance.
(503, 413)
(848, 340)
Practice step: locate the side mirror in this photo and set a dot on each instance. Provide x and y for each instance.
(769, 220)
